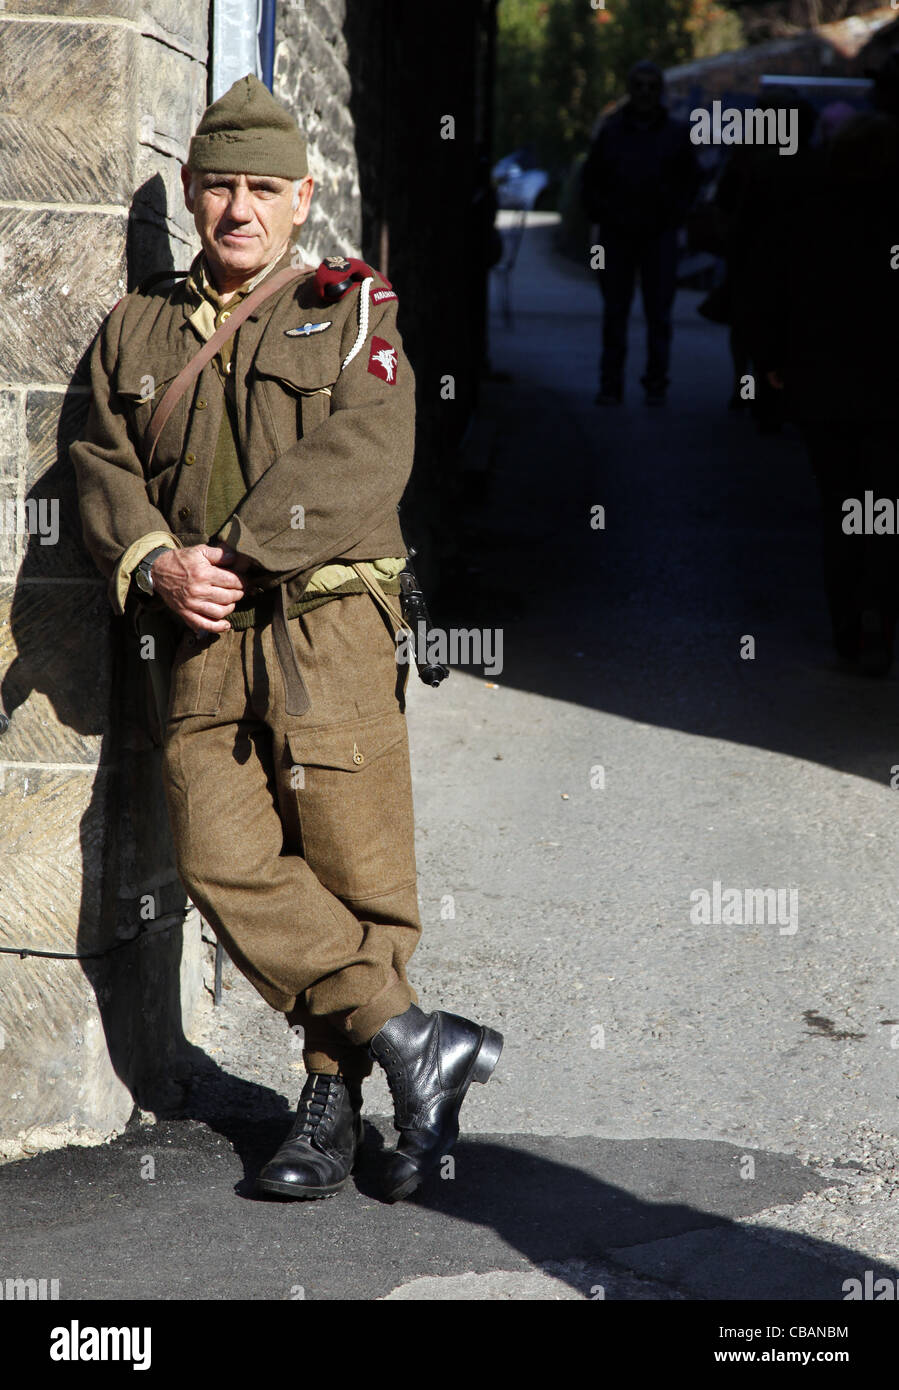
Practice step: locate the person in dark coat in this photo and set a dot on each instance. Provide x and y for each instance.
(759, 193)
(639, 181)
(827, 311)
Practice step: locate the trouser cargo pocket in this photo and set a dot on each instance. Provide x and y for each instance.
(198, 673)
(353, 793)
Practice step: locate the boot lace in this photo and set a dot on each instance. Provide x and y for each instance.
(314, 1106)
(397, 1075)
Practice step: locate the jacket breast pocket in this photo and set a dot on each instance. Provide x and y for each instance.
(140, 390)
(353, 792)
(294, 379)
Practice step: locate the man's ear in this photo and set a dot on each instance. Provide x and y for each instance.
(186, 176)
(305, 190)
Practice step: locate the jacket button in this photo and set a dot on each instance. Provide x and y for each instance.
(225, 315)
(190, 458)
(201, 405)
(184, 513)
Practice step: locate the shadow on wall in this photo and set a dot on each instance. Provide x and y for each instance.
(129, 938)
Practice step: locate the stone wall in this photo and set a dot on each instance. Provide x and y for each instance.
(312, 78)
(99, 98)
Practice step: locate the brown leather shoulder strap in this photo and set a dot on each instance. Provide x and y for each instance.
(189, 374)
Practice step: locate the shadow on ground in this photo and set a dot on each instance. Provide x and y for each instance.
(158, 1215)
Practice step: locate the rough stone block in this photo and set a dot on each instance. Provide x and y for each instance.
(10, 539)
(12, 433)
(53, 420)
(180, 22)
(58, 1084)
(161, 234)
(171, 97)
(57, 551)
(69, 271)
(54, 842)
(312, 78)
(55, 665)
(67, 123)
(78, 9)
(193, 954)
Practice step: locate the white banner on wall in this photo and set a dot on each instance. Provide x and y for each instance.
(235, 42)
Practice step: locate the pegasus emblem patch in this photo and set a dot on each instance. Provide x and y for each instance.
(382, 360)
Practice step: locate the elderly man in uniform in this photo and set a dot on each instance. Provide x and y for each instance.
(251, 499)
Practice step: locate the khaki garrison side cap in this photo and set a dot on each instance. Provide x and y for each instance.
(248, 132)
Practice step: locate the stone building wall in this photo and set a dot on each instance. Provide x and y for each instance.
(312, 78)
(98, 100)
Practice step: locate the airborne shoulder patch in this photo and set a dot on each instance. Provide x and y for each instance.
(382, 360)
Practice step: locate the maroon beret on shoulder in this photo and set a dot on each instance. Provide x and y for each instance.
(337, 275)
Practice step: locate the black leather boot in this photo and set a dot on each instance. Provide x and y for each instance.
(430, 1061)
(317, 1156)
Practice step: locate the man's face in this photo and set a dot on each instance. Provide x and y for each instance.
(243, 220)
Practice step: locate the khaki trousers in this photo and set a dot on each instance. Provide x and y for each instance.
(294, 836)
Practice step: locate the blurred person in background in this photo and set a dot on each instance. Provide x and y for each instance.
(639, 181)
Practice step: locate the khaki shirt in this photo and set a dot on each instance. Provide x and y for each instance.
(326, 443)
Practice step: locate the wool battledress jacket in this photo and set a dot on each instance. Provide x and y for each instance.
(325, 443)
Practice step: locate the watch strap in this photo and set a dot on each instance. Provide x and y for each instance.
(146, 564)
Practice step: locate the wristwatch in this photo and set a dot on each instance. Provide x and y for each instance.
(142, 576)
